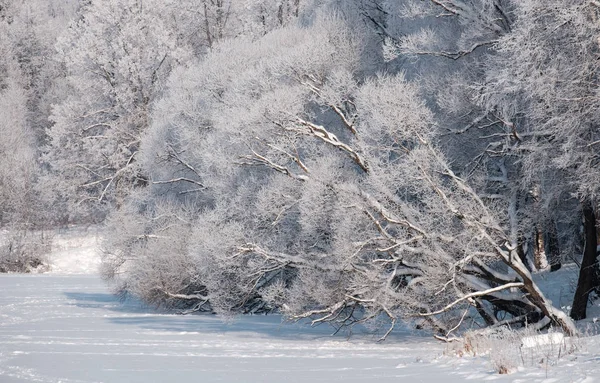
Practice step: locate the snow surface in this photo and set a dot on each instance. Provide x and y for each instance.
(65, 326)
(75, 251)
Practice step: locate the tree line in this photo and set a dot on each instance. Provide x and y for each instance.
(363, 161)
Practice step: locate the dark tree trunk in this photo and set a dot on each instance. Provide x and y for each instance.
(522, 254)
(552, 247)
(588, 274)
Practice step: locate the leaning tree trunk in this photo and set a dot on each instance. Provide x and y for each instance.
(536, 296)
(588, 273)
(487, 232)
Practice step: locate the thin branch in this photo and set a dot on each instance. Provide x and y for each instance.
(322, 133)
(473, 295)
(347, 123)
(185, 296)
(295, 158)
(398, 244)
(455, 55)
(90, 127)
(174, 154)
(117, 173)
(459, 323)
(329, 311)
(257, 159)
(94, 183)
(180, 179)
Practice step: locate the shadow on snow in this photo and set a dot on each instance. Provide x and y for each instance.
(134, 313)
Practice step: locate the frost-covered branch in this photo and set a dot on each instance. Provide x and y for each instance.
(474, 295)
(322, 133)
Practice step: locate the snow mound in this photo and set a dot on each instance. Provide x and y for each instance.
(75, 251)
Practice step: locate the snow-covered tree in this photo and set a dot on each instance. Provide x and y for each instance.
(28, 83)
(17, 150)
(444, 28)
(341, 160)
(321, 193)
(544, 78)
(32, 30)
(448, 45)
(118, 54)
(28, 32)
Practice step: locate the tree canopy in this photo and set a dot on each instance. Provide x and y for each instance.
(363, 161)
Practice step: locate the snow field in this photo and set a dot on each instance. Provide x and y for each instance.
(66, 326)
(75, 251)
(58, 328)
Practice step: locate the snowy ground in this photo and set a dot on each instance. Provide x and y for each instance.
(75, 251)
(65, 326)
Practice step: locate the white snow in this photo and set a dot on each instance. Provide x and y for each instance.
(554, 338)
(65, 326)
(75, 251)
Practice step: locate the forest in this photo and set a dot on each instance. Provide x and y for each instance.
(347, 161)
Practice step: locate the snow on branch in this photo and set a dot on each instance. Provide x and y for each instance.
(348, 122)
(322, 133)
(257, 159)
(473, 295)
(454, 55)
(173, 154)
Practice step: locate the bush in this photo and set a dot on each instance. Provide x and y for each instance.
(509, 349)
(24, 251)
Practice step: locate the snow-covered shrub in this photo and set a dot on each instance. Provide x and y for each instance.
(509, 349)
(504, 347)
(24, 251)
(148, 243)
